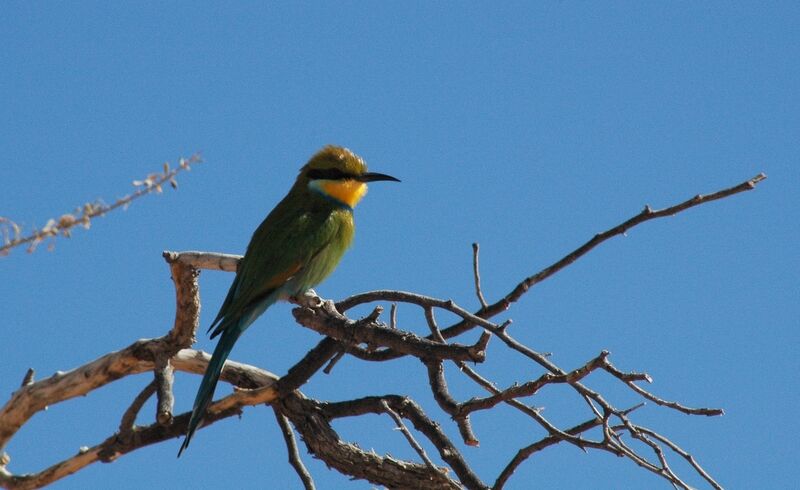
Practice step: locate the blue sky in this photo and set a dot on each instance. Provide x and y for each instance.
(527, 128)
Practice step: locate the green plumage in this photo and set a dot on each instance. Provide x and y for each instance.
(297, 246)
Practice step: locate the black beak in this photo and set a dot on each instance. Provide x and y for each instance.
(373, 176)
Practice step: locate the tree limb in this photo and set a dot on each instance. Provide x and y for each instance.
(366, 339)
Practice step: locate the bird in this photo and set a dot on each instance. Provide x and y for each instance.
(299, 243)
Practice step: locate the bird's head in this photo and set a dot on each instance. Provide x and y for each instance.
(339, 174)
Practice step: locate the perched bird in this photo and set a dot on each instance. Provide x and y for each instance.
(298, 244)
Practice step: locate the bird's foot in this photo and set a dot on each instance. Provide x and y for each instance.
(308, 298)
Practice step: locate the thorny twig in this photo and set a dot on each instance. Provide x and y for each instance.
(12, 234)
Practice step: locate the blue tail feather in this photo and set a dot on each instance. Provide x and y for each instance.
(230, 334)
(206, 391)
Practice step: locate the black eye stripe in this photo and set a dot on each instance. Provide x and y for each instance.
(328, 174)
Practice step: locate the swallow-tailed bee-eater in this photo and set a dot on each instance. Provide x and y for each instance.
(298, 244)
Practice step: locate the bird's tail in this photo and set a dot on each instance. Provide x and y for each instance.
(206, 391)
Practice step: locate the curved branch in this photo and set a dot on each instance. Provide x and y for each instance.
(63, 386)
(523, 287)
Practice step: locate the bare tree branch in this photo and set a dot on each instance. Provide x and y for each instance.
(368, 339)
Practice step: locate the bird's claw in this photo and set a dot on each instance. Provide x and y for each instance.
(309, 298)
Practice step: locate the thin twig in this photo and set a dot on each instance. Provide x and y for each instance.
(529, 450)
(129, 417)
(430, 317)
(449, 404)
(645, 215)
(688, 457)
(12, 233)
(476, 271)
(629, 378)
(335, 359)
(291, 448)
(409, 437)
(531, 387)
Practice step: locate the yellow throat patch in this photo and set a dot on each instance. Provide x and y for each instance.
(348, 192)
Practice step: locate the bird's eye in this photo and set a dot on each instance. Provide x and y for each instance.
(336, 174)
(327, 174)
(314, 174)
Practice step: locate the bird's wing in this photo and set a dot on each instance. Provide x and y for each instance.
(279, 250)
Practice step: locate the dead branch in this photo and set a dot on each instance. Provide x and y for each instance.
(13, 236)
(368, 339)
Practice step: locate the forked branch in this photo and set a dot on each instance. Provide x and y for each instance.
(603, 428)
